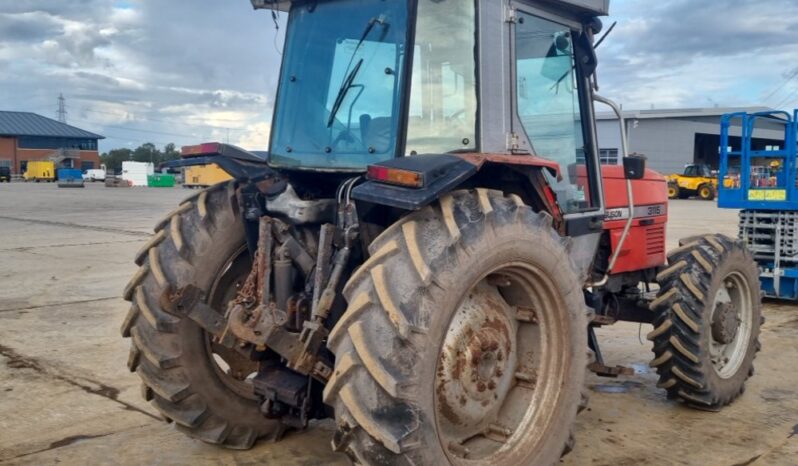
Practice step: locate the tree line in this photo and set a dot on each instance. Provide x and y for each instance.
(147, 152)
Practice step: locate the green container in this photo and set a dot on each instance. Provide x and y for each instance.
(161, 181)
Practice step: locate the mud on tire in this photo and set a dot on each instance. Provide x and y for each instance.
(409, 295)
(194, 244)
(692, 321)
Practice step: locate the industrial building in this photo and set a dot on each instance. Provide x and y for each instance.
(673, 138)
(26, 137)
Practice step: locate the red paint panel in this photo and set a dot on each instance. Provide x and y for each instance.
(651, 190)
(505, 159)
(644, 248)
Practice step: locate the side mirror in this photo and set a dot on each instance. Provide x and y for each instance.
(634, 167)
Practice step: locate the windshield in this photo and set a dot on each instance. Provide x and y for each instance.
(339, 100)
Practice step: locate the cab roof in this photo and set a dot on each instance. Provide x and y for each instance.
(594, 7)
(590, 7)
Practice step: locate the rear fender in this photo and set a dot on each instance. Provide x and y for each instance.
(441, 174)
(519, 175)
(240, 164)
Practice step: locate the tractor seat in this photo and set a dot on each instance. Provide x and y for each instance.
(376, 132)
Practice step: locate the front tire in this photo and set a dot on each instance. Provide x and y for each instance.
(708, 320)
(188, 379)
(673, 191)
(464, 340)
(706, 192)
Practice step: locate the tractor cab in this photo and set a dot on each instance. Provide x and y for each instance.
(369, 81)
(697, 171)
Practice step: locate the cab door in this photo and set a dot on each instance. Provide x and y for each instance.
(553, 111)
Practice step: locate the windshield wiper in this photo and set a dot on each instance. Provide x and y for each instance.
(350, 76)
(339, 99)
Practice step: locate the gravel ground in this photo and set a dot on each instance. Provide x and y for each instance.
(66, 395)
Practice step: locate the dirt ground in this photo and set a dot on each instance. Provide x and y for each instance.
(66, 395)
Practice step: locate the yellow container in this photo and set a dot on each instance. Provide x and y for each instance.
(203, 176)
(41, 170)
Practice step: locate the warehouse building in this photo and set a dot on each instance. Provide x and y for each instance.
(26, 137)
(673, 138)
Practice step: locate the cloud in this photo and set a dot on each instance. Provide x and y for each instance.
(256, 137)
(28, 27)
(142, 70)
(72, 9)
(695, 53)
(168, 71)
(683, 30)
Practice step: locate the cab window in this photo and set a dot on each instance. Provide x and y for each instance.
(443, 99)
(548, 105)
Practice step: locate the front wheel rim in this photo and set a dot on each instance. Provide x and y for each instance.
(496, 390)
(731, 325)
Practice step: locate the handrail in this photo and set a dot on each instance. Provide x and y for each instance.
(629, 193)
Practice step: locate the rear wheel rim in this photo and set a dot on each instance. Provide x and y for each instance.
(731, 325)
(233, 368)
(496, 389)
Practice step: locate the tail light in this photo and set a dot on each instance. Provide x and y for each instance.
(395, 176)
(209, 148)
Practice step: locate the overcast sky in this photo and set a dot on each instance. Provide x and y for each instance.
(188, 71)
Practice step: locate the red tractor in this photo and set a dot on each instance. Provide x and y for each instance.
(426, 248)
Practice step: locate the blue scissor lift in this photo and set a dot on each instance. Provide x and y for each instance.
(761, 181)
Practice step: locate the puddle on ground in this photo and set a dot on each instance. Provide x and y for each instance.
(616, 387)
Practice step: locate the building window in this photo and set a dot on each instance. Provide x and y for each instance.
(608, 156)
(34, 142)
(86, 165)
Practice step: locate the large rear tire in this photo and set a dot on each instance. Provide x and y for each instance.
(464, 340)
(708, 318)
(191, 381)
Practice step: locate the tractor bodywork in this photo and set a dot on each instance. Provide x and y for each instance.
(427, 246)
(524, 113)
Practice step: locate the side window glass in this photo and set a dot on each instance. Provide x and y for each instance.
(443, 98)
(547, 99)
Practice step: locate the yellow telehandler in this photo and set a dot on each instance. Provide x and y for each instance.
(697, 180)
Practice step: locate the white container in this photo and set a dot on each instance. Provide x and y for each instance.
(94, 175)
(136, 172)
